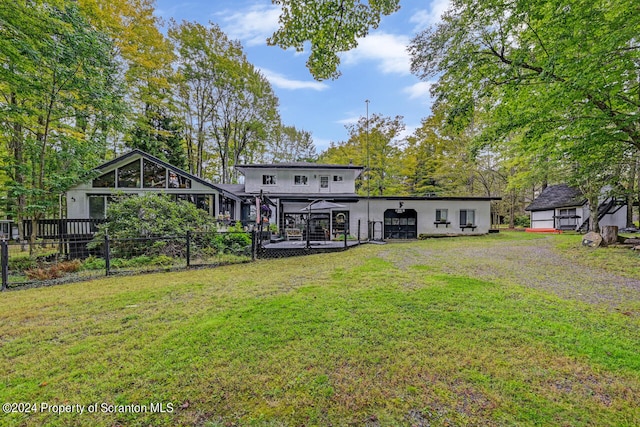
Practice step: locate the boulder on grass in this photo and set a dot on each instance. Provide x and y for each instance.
(592, 240)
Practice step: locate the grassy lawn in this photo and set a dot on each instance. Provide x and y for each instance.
(499, 330)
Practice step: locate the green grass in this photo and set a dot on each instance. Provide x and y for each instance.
(424, 333)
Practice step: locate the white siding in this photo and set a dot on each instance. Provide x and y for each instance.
(619, 218)
(426, 215)
(543, 219)
(285, 181)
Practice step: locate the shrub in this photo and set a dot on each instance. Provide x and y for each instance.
(55, 271)
(93, 263)
(22, 263)
(522, 221)
(132, 218)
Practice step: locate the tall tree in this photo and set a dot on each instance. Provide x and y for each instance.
(162, 135)
(563, 77)
(291, 145)
(375, 143)
(229, 107)
(147, 59)
(60, 98)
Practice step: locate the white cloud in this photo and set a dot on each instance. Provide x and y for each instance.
(351, 120)
(283, 82)
(419, 90)
(252, 25)
(388, 50)
(428, 17)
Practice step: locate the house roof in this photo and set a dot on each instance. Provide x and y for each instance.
(137, 152)
(557, 196)
(297, 165)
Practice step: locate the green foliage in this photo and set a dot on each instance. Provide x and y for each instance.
(93, 263)
(330, 27)
(376, 145)
(159, 134)
(289, 144)
(151, 215)
(60, 99)
(22, 262)
(223, 99)
(522, 221)
(554, 85)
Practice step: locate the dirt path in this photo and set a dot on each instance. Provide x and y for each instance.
(531, 263)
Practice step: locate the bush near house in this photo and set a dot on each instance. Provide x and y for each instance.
(132, 219)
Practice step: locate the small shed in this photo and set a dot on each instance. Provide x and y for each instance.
(562, 207)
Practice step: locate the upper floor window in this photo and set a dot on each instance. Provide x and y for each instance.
(300, 180)
(338, 178)
(178, 181)
(154, 175)
(108, 180)
(129, 175)
(268, 180)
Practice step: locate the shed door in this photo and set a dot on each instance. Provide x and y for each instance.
(400, 224)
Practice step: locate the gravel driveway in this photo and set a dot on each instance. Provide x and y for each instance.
(532, 263)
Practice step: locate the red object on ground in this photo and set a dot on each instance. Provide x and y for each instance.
(543, 230)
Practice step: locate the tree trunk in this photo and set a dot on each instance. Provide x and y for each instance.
(609, 234)
(594, 224)
(512, 209)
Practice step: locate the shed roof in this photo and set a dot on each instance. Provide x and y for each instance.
(557, 196)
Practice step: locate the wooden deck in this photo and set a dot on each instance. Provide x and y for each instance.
(297, 244)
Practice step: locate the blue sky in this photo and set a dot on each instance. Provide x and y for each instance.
(377, 70)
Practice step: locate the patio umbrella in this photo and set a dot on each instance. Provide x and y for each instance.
(318, 205)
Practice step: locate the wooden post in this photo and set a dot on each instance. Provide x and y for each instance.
(609, 234)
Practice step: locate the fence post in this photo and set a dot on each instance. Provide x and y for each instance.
(4, 260)
(107, 254)
(345, 235)
(253, 244)
(188, 248)
(358, 231)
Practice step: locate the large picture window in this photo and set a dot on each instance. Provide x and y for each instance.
(154, 175)
(129, 175)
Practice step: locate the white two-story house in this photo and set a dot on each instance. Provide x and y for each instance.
(289, 188)
(279, 194)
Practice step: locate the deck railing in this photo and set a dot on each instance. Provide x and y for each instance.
(62, 228)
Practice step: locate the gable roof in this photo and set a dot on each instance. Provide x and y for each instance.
(557, 196)
(137, 152)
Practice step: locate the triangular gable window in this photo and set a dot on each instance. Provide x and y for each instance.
(178, 181)
(153, 176)
(107, 180)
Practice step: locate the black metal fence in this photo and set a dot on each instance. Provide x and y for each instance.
(51, 262)
(78, 258)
